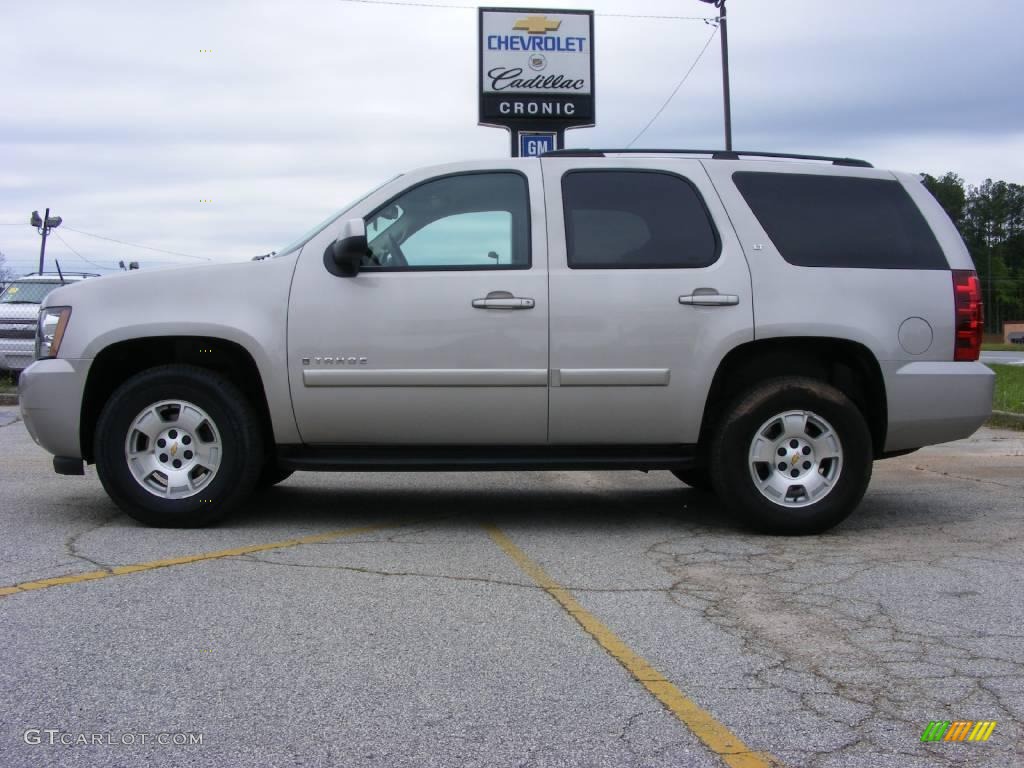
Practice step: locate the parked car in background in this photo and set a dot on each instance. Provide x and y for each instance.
(19, 314)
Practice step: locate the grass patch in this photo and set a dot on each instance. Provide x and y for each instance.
(1009, 388)
(1004, 422)
(8, 383)
(1002, 347)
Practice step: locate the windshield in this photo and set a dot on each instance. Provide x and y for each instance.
(303, 239)
(26, 293)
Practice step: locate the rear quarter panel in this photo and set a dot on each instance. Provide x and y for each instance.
(862, 305)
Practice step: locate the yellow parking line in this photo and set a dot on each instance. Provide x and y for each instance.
(121, 570)
(715, 735)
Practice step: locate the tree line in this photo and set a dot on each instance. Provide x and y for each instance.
(990, 218)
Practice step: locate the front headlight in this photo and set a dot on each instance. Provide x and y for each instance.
(52, 323)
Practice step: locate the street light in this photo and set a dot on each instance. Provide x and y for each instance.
(43, 226)
(720, 5)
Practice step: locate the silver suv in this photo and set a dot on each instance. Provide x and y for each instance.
(765, 327)
(19, 313)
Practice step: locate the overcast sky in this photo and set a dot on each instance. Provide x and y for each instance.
(111, 115)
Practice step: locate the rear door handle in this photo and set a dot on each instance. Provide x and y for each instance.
(710, 300)
(503, 300)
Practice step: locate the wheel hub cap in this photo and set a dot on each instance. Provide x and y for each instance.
(173, 449)
(795, 458)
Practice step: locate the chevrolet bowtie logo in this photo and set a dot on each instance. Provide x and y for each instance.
(537, 25)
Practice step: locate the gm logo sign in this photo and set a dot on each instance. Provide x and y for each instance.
(534, 144)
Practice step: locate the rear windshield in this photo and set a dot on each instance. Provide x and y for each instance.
(26, 293)
(841, 221)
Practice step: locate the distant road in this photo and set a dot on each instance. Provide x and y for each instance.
(1005, 358)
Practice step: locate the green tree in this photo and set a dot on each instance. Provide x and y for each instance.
(990, 218)
(949, 190)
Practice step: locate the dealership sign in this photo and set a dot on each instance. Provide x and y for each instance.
(536, 70)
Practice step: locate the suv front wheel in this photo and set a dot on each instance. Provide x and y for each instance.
(178, 446)
(792, 456)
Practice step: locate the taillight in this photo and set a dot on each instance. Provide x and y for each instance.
(970, 317)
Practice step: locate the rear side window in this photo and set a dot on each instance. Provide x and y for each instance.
(841, 221)
(635, 220)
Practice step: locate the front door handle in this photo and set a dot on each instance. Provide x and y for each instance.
(503, 300)
(710, 300)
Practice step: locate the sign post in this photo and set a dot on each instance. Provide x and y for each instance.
(536, 75)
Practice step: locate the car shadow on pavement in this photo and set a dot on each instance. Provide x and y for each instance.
(458, 507)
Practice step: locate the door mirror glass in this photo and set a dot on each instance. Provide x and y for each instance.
(344, 256)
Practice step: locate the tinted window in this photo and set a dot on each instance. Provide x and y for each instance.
(841, 221)
(467, 221)
(635, 220)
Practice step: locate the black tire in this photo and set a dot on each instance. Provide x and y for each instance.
(731, 469)
(698, 479)
(235, 420)
(272, 475)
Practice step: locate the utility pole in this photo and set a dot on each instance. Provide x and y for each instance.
(43, 226)
(725, 79)
(724, 27)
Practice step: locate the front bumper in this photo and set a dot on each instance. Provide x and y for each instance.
(16, 354)
(935, 402)
(50, 394)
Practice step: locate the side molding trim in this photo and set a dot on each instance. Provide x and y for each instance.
(425, 377)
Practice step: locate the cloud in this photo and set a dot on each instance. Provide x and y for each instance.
(112, 115)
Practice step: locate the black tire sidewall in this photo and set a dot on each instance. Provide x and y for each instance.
(731, 473)
(230, 413)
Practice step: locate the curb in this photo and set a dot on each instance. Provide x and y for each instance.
(1002, 418)
(6, 399)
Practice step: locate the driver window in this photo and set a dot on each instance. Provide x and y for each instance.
(467, 221)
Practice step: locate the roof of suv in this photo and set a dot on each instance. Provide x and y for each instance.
(713, 154)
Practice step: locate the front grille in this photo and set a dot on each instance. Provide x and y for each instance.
(27, 333)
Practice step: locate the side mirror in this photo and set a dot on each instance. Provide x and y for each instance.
(345, 255)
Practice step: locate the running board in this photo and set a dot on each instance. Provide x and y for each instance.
(482, 458)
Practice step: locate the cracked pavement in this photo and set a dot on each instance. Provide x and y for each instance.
(425, 645)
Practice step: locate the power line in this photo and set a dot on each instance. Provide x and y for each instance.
(451, 6)
(676, 89)
(137, 245)
(80, 256)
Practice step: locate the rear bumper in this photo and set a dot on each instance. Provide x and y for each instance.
(933, 403)
(50, 394)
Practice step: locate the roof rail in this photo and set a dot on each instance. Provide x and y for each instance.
(716, 154)
(65, 271)
(58, 274)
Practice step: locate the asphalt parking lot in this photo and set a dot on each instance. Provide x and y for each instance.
(535, 619)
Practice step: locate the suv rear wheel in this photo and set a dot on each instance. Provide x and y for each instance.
(178, 446)
(792, 456)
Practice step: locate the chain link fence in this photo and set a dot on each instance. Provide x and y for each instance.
(1004, 309)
